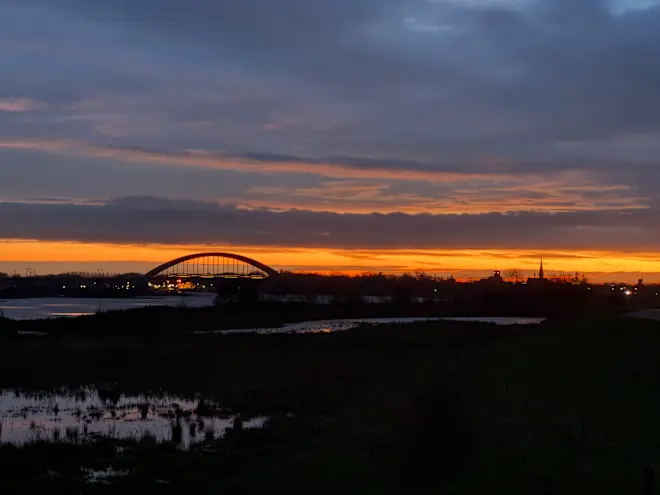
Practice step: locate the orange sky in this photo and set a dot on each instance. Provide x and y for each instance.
(164, 138)
(49, 257)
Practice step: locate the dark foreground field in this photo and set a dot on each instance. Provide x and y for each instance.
(566, 407)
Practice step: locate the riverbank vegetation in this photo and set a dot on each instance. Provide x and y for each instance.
(159, 320)
(567, 406)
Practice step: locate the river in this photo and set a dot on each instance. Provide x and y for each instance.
(48, 307)
(58, 307)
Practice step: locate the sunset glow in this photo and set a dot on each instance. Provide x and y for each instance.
(17, 255)
(436, 146)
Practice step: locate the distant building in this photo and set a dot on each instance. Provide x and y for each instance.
(494, 280)
(540, 279)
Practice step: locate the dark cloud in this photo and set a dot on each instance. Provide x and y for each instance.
(152, 220)
(392, 90)
(556, 70)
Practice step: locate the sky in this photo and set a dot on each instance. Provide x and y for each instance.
(446, 136)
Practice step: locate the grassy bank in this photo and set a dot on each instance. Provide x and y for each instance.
(161, 321)
(569, 406)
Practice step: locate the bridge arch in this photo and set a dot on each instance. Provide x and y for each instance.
(211, 263)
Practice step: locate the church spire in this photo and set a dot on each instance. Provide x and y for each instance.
(541, 269)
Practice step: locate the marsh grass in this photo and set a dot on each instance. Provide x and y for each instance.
(569, 406)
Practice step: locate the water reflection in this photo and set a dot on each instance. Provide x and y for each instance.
(329, 326)
(85, 414)
(58, 307)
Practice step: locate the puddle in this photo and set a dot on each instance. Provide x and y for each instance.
(103, 476)
(85, 414)
(329, 326)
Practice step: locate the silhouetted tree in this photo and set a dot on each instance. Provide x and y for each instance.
(513, 275)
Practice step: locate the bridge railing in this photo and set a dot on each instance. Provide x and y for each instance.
(174, 274)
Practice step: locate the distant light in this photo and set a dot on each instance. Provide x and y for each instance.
(627, 293)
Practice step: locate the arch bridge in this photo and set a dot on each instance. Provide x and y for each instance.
(212, 266)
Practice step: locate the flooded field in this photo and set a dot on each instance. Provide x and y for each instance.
(85, 414)
(57, 307)
(328, 326)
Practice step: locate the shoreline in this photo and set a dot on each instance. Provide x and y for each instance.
(154, 320)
